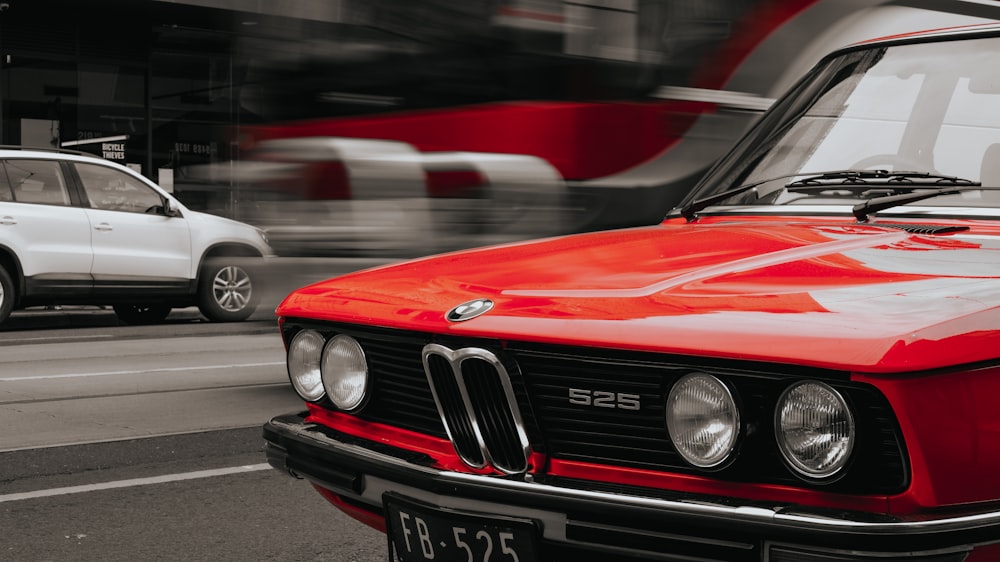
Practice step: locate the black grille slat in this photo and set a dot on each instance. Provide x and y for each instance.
(499, 429)
(651, 440)
(395, 390)
(453, 409)
(592, 434)
(402, 396)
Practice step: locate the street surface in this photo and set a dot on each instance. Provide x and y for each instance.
(144, 443)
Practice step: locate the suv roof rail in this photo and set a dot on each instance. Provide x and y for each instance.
(47, 149)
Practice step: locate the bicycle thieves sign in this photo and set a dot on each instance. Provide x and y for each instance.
(111, 147)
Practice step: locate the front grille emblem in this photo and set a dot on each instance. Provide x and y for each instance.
(469, 310)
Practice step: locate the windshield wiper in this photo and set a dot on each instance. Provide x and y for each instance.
(862, 210)
(881, 177)
(897, 179)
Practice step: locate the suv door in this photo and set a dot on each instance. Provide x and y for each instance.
(136, 245)
(40, 223)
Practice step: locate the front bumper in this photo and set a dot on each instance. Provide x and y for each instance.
(584, 517)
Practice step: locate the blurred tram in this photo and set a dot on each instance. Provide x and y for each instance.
(451, 124)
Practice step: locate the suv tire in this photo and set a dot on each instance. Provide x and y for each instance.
(138, 314)
(226, 291)
(7, 294)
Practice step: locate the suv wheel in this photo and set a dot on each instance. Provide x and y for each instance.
(141, 314)
(226, 292)
(7, 296)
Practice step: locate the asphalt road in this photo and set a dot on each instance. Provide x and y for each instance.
(191, 497)
(144, 443)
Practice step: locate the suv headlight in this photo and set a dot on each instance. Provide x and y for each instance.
(814, 428)
(702, 420)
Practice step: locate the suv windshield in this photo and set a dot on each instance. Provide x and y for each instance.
(885, 121)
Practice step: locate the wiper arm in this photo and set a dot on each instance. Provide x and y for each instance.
(690, 210)
(862, 210)
(882, 177)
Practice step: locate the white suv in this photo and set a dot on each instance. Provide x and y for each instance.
(77, 229)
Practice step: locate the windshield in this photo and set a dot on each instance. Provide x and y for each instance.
(931, 110)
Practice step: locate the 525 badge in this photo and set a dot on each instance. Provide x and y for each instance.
(604, 399)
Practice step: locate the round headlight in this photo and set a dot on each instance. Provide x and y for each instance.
(702, 420)
(345, 372)
(303, 364)
(814, 428)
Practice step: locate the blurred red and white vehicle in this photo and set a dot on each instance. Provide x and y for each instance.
(613, 108)
(360, 197)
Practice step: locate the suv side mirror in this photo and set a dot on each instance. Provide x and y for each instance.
(170, 208)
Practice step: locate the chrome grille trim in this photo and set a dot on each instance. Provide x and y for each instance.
(484, 432)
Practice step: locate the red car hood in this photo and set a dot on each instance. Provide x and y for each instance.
(830, 294)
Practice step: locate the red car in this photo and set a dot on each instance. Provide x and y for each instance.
(801, 362)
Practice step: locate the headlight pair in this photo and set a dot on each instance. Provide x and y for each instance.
(813, 426)
(336, 368)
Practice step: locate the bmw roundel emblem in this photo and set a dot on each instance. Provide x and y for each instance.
(469, 310)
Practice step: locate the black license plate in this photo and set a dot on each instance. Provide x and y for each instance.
(419, 532)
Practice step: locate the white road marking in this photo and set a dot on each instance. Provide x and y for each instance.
(134, 482)
(57, 338)
(137, 372)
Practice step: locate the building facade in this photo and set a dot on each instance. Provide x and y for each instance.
(156, 85)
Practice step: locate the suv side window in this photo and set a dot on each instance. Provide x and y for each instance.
(5, 192)
(112, 190)
(36, 181)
